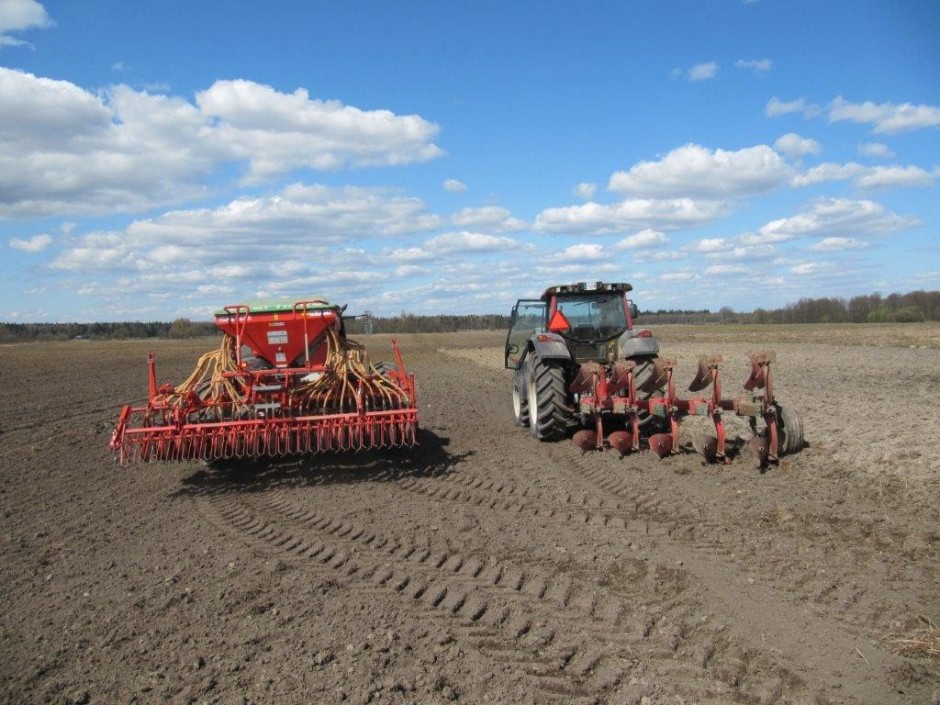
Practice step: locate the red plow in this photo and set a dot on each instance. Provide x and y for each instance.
(285, 380)
(777, 430)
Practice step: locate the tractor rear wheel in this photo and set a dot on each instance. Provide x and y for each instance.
(548, 412)
(520, 399)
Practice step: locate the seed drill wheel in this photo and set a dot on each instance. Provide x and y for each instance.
(520, 400)
(548, 413)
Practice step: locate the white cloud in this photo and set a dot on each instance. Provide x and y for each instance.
(299, 224)
(585, 191)
(643, 240)
(66, 150)
(838, 244)
(18, 16)
(698, 172)
(630, 215)
(758, 66)
(711, 244)
(793, 145)
(833, 217)
(454, 186)
(807, 268)
(703, 72)
(886, 176)
(37, 243)
(469, 242)
(678, 276)
(724, 269)
(583, 252)
(875, 150)
(864, 176)
(776, 107)
(492, 217)
(827, 172)
(887, 118)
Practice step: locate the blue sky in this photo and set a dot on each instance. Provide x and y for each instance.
(159, 160)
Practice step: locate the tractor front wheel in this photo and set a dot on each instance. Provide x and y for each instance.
(548, 412)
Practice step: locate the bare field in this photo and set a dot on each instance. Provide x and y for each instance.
(482, 566)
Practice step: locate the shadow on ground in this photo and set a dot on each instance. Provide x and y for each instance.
(429, 458)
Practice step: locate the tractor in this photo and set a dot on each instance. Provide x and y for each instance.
(580, 364)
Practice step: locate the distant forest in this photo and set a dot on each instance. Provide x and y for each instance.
(914, 307)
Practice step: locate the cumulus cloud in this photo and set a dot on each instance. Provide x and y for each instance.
(886, 118)
(294, 226)
(725, 269)
(838, 244)
(758, 66)
(643, 240)
(875, 150)
(776, 107)
(454, 186)
(469, 242)
(697, 172)
(793, 145)
(585, 190)
(37, 243)
(833, 217)
(66, 150)
(703, 71)
(589, 252)
(865, 176)
(490, 217)
(630, 215)
(18, 16)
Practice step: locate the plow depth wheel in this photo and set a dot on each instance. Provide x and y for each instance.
(520, 399)
(646, 385)
(548, 413)
(791, 431)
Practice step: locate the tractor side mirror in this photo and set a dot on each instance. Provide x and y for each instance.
(634, 310)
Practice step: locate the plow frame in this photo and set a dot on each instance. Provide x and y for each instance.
(605, 392)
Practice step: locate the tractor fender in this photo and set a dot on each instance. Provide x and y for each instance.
(550, 346)
(631, 346)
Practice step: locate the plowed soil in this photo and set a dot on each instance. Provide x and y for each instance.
(482, 566)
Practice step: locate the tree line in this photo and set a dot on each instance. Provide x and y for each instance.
(913, 307)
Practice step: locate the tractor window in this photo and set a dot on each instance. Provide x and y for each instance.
(594, 317)
(528, 319)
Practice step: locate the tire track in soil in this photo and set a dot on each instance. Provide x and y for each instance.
(843, 596)
(662, 521)
(573, 639)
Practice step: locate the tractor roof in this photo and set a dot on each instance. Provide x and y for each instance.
(282, 305)
(585, 288)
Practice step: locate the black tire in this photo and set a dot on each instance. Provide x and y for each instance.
(520, 400)
(548, 412)
(790, 428)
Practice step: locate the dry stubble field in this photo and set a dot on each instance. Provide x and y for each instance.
(483, 566)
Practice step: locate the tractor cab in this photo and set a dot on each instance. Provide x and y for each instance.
(578, 316)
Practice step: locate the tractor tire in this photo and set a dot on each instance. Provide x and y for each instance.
(548, 411)
(520, 400)
(643, 372)
(790, 428)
